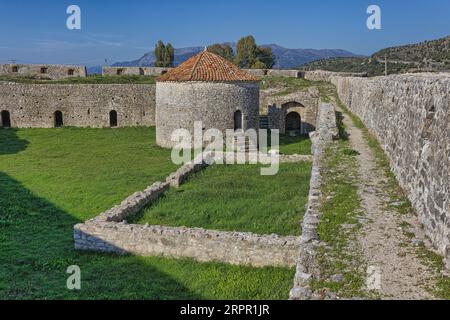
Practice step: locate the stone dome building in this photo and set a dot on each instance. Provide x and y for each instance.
(209, 89)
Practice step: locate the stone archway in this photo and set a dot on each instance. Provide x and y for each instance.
(59, 120)
(6, 119)
(113, 121)
(293, 123)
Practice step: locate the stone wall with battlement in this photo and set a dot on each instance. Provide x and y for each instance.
(43, 71)
(81, 105)
(410, 117)
(143, 71)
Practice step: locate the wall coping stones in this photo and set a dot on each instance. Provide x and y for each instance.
(307, 267)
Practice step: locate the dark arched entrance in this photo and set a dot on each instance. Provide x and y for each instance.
(293, 123)
(238, 120)
(6, 119)
(59, 121)
(113, 118)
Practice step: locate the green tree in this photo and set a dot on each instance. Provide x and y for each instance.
(251, 56)
(223, 50)
(164, 54)
(246, 52)
(265, 56)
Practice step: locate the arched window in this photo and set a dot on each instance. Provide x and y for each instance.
(238, 120)
(293, 123)
(113, 118)
(6, 119)
(71, 72)
(59, 121)
(15, 69)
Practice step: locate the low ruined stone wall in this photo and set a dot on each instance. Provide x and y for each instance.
(410, 117)
(45, 71)
(82, 105)
(199, 244)
(109, 232)
(322, 75)
(307, 267)
(143, 71)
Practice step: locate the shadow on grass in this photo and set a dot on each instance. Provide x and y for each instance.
(343, 134)
(10, 143)
(36, 247)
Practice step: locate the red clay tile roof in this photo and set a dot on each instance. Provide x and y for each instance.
(207, 66)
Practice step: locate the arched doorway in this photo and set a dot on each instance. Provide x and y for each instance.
(238, 120)
(59, 121)
(293, 123)
(113, 118)
(6, 119)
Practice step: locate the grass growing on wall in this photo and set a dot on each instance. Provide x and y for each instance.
(91, 79)
(52, 179)
(237, 198)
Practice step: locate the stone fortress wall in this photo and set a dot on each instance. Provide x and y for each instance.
(410, 117)
(143, 71)
(81, 105)
(44, 71)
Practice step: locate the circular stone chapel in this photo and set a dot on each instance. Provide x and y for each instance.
(206, 88)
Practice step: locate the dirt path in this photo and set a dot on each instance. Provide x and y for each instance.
(390, 252)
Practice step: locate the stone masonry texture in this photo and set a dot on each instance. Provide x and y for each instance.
(410, 117)
(180, 104)
(44, 71)
(82, 105)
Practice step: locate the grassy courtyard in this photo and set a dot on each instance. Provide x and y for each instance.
(51, 179)
(237, 198)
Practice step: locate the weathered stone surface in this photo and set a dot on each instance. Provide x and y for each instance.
(200, 244)
(82, 105)
(180, 104)
(410, 117)
(304, 103)
(143, 71)
(52, 71)
(322, 75)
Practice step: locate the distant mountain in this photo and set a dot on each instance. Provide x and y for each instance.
(286, 58)
(430, 56)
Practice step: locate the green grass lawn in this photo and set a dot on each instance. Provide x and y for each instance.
(237, 198)
(295, 145)
(51, 179)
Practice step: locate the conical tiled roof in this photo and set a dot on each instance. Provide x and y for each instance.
(207, 66)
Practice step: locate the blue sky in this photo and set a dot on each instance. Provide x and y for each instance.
(35, 31)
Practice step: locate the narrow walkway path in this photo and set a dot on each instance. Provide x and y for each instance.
(386, 248)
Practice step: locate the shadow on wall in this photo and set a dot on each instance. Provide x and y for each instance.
(10, 143)
(36, 247)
